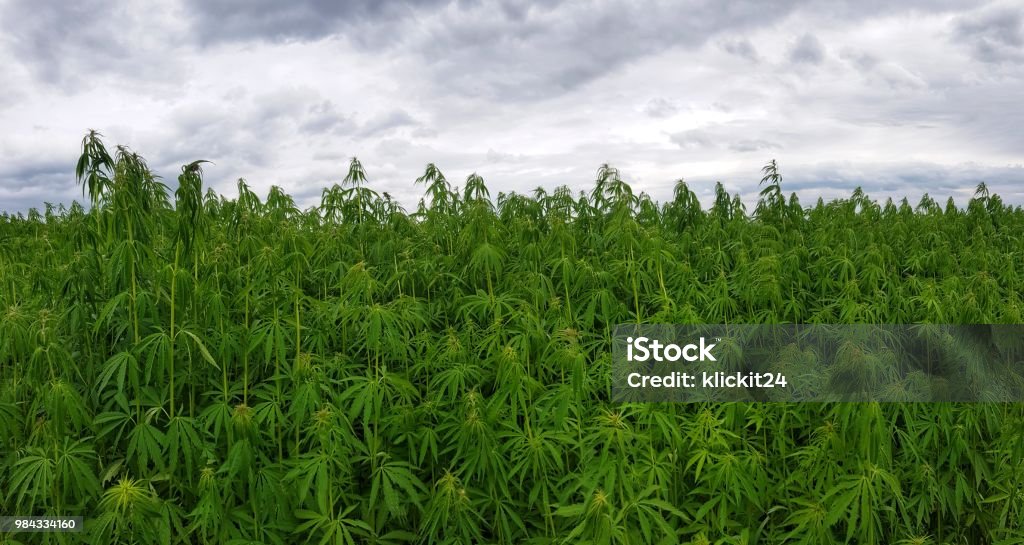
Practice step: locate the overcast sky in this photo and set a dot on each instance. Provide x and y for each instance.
(897, 97)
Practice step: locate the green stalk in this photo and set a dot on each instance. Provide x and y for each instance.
(223, 358)
(636, 287)
(298, 333)
(174, 277)
(277, 389)
(298, 353)
(245, 349)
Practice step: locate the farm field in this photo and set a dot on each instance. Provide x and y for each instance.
(181, 367)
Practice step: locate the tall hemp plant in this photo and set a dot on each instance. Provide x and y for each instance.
(193, 368)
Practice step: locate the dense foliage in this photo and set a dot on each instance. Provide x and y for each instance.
(186, 368)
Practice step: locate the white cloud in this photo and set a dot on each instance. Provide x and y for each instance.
(923, 97)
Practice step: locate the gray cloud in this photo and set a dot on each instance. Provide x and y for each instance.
(552, 51)
(46, 32)
(255, 129)
(660, 107)
(528, 93)
(424, 132)
(499, 157)
(693, 139)
(510, 49)
(30, 183)
(394, 147)
(890, 74)
(387, 122)
(723, 137)
(229, 20)
(34, 174)
(994, 34)
(324, 117)
(744, 146)
(808, 49)
(75, 45)
(741, 48)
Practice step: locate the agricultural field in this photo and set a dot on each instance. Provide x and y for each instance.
(179, 367)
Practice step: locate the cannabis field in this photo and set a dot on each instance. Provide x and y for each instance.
(181, 367)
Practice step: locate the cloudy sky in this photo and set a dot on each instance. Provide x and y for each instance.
(897, 97)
